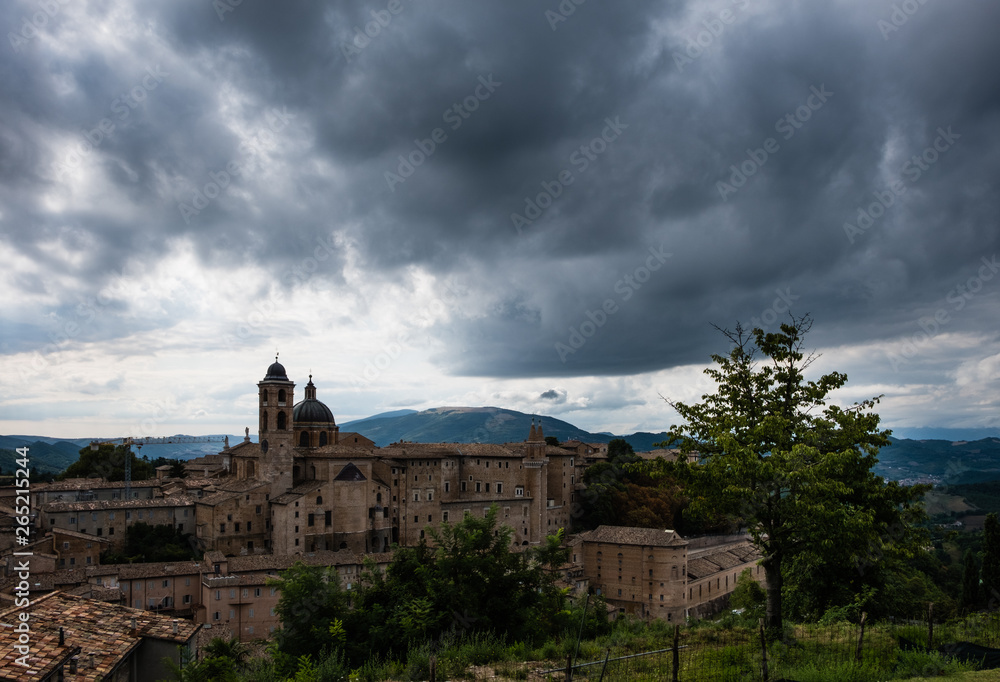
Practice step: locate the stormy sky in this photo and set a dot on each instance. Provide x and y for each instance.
(531, 204)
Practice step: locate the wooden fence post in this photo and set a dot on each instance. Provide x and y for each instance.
(569, 668)
(677, 655)
(861, 636)
(763, 651)
(432, 665)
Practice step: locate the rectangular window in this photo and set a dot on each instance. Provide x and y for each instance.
(166, 583)
(222, 528)
(519, 491)
(249, 526)
(430, 495)
(499, 488)
(216, 615)
(256, 592)
(251, 613)
(187, 598)
(487, 487)
(447, 486)
(232, 594)
(311, 520)
(463, 486)
(218, 595)
(416, 496)
(479, 487)
(444, 516)
(236, 527)
(329, 518)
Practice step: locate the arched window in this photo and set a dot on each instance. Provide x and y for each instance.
(281, 420)
(281, 396)
(263, 421)
(304, 439)
(343, 545)
(319, 499)
(322, 438)
(378, 497)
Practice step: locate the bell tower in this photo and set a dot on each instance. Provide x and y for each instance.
(276, 398)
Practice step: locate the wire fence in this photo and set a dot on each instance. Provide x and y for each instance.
(843, 651)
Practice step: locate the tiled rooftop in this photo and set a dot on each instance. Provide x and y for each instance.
(624, 535)
(100, 630)
(95, 505)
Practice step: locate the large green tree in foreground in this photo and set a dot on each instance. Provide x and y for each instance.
(795, 471)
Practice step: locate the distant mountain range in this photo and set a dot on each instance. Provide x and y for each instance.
(478, 425)
(939, 460)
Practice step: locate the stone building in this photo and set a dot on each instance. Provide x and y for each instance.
(654, 573)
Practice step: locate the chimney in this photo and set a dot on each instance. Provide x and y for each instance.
(132, 624)
(72, 665)
(62, 637)
(174, 626)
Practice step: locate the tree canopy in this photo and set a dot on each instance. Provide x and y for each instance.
(108, 462)
(795, 471)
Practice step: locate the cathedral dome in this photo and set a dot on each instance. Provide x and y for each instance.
(312, 410)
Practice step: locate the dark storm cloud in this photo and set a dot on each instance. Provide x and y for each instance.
(614, 98)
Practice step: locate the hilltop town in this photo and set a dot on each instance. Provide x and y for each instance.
(307, 492)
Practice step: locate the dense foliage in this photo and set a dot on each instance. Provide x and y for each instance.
(467, 582)
(108, 462)
(797, 472)
(146, 543)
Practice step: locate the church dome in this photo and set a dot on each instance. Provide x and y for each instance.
(276, 372)
(312, 410)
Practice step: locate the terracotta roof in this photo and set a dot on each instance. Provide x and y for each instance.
(180, 501)
(722, 559)
(81, 484)
(624, 535)
(83, 536)
(97, 629)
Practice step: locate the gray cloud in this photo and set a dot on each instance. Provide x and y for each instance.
(574, 292)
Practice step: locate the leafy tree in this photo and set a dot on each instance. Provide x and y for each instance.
(619, 448)
(311, 603)
(146, 543)
(108, 462)
(748, 595)
(970, 582)
(991, 560)
(552, 440)
(797, 472)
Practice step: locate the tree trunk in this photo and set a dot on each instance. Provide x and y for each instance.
(773, 620)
